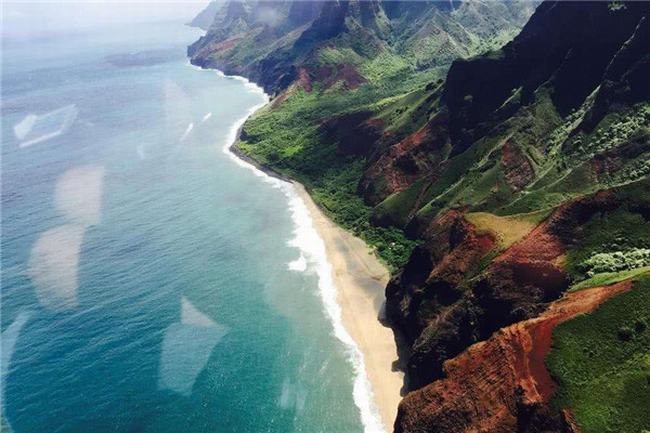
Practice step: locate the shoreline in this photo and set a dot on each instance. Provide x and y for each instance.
(360, 280)
(352, 282)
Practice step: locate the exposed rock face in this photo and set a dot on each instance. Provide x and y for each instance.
(562, 45)
(517, 169)
(205, 18)
(271, 41)
(355, 134)
(402, 163)
(553, 124)
(450, 295)
(426, 301)
(501, 385)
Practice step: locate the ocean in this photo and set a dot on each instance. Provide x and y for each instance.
(152, 282)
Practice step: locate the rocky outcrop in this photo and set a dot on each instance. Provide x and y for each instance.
(355, 134)
(563, 47)
(455, 290)
(517, 169)
(205, 18)
(270, 41)
(501, 385)
(400, 164)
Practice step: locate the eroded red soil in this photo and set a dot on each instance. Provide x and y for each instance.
(494, 386)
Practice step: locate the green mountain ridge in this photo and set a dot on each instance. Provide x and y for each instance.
(493, 165)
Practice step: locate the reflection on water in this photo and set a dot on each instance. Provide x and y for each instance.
(292, 396)
(54, 266)
(54, 259)
(186, 348)
(155, 270)
(35, 128)
(8, 344)
(78, 194)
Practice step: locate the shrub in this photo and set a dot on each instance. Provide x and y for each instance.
(625, 333)
(615, 261)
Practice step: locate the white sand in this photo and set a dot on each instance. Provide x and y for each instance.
(361, 280)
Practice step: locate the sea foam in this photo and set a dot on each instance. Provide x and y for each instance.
(312, 247)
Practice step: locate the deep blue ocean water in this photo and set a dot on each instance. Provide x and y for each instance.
(149, 282)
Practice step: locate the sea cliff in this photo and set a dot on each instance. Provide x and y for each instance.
(493, 169)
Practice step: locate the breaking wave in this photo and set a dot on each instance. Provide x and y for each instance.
(312, 248)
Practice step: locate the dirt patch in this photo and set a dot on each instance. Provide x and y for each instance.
(516, 167)
(304, 80)
(407, 160)
(348, 74)
(494, 386)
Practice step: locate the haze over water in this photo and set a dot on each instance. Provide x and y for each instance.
(150, 283)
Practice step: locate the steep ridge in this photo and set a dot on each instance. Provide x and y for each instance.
(356, 64)
(531, 159)
(521, 175)
(271, 42)
(204, 19)
(458, 288)
(505, 375)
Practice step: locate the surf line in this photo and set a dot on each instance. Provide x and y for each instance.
(312, 246)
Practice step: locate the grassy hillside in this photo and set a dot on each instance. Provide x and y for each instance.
(380, 71)
(289, 137)
(602, 363)
(490, 187)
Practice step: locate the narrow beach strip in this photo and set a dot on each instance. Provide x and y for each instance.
(351, 282)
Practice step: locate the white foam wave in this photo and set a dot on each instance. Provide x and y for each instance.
(312, 247)
(298, 265)
(247, 83)
(206, 117)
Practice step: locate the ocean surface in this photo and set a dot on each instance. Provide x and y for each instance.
(151, 282)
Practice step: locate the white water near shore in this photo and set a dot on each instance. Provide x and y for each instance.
(312, 247)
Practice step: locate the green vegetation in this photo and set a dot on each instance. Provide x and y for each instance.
(615, 261)
(401, 62)
(287, 138)
(602, 364)
(506, 229)
(608, 278)
(611, 242)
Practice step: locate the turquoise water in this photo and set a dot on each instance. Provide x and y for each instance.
(149, 282)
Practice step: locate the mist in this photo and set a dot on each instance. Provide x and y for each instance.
(21, 18)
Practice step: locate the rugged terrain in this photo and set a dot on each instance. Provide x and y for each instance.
(506, 184)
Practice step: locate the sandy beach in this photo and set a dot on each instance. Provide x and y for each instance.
(361, 280)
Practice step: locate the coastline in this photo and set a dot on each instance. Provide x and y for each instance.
(352, 281)
(360, 279)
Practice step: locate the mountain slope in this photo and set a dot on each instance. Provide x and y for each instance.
(540, 180)
(272, 41)
(204, 19)
(491, 193)
(334, 74)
